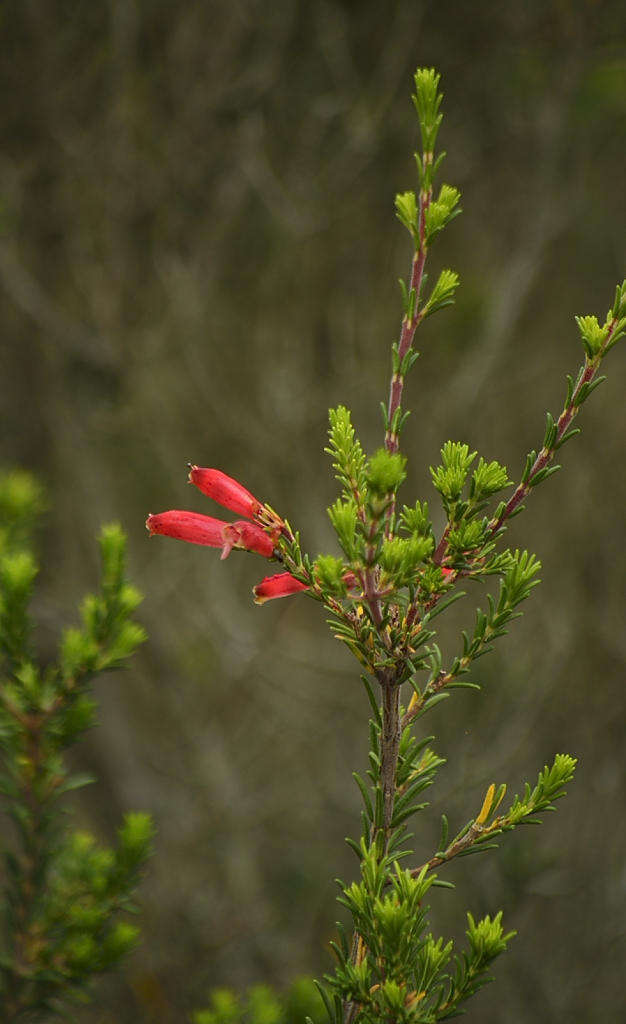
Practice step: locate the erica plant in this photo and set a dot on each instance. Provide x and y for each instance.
(65, 898)
(382, 596)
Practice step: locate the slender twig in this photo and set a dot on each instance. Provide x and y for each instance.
(409, 327)
(442, 547)
(545, 456)
(474, 833)
(369, 578)
(442, 679)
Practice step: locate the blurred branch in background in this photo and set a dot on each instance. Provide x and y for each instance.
(197, 221)
(64, 897)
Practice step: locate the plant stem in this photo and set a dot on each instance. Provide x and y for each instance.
(454, 849)
(389, 745)
(391, 725)
(409, 327)
(546, 454)
(371, 596)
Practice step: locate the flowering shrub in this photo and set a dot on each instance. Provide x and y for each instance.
(394, 576)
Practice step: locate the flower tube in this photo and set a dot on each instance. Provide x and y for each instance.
(281, 585)
(214, 533)
(225, 491)
(189, 526)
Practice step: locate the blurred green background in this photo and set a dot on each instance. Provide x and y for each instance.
(198, 255)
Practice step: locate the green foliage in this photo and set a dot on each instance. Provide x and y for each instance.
(108, 635)
(225, 1009)
(593, 336)
(346, 450)
(330, 571)
(598, 340)
(488, 478)
(618, 311)
(449, 478)
(21, 503)
(88, 886)
(17, 576)
(400, 557)
(400, 967)
(65, 896)
(262, 1005)
(417, 520)
(427, 101)
(549, 788)
(385, 472)
(443, 293)
(401, 972)
(438, 214)
(407, 212)
(343, 516)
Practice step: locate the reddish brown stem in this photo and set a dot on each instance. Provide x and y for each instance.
(409, 327)
(440, 551)
(389, 745)
(546, 455)
(371, 596)
(475, 831)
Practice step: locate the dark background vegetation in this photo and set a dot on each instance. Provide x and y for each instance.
(198, 256)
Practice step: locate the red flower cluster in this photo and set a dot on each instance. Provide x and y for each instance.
(215, 533)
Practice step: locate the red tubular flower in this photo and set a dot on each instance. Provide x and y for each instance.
(215, 533)
(225, 491)
(281, 585)
(189, 526)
